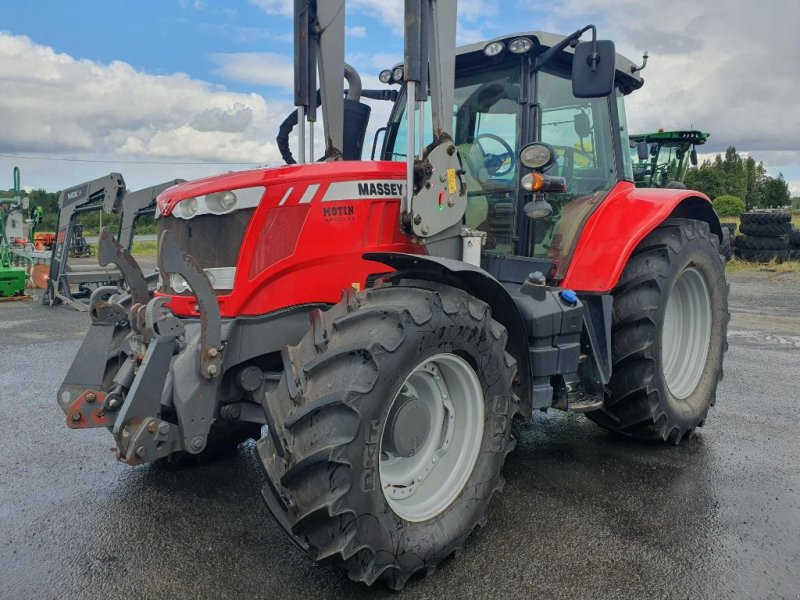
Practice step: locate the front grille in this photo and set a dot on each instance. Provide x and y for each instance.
(214, 240)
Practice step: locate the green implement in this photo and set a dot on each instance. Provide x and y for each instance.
(12, 279)
(661, 159)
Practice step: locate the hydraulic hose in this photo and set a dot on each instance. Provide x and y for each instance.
(289, 123)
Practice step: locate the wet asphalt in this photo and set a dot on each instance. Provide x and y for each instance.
(584, 514)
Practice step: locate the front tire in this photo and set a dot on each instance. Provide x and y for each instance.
(668, 335)
(356, 481)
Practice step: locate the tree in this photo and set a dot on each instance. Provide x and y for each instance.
(732, 175)
(776, 192)
(729, 206)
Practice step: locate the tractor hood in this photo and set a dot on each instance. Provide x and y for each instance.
(274, 176)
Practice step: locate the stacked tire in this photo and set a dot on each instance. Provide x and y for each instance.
(766, 236)
(794, 244)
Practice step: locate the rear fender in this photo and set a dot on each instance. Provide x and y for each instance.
(623, 220)
(482, 285)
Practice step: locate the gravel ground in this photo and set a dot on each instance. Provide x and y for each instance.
(583, 514)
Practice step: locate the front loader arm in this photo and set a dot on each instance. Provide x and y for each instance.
(437, 197)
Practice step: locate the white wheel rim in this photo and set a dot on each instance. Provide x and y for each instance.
(422, 486)
(686, 335)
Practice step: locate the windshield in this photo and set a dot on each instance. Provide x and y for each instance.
(488, 134)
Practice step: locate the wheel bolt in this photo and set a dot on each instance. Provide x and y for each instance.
(90, 398)
(213, 352)
(141, 451)
(76, 417)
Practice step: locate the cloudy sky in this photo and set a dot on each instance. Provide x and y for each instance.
(185, 88)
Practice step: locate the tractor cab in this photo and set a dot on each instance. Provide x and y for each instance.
(506, 98)
(661, 159)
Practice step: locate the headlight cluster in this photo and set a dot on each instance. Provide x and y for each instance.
(394, 75)
(220, 278)
(518, 45)
(218, 203)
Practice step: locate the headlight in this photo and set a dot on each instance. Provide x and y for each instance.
(221, 202)
(397, 75)
(537, 156)
(385, 76)
(218, 203)
(187, 208)
(520, 45)
(493, 48)
(178, 283)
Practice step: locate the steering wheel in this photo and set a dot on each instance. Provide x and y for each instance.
(493, 162)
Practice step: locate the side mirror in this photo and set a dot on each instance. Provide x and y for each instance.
(693, 157)
(593, 69)
(642, 150)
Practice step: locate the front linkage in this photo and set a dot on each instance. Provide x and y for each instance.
(133, 352)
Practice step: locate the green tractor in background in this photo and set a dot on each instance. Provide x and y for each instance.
(12, 211)
(660, 160)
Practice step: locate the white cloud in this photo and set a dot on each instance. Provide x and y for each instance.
(727, 68)
(275, 7)
(260, 68)
(235, 119)
(727, 71)
(363, 61)
(55, 105)
(391, 14)
(357, 31)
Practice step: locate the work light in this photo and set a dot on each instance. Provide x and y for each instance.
(520, 45)
(493, 48)
(537, 156)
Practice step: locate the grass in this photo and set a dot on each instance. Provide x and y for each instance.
(144, 248)
(737, 265)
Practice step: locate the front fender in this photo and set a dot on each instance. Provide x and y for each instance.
(623, 220)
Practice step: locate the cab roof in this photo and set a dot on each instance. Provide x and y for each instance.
(542, 40)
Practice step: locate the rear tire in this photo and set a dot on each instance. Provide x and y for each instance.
(675, 185)
(725, 246)
(766, 230)
(762, 243)
(665, 368)
(332, 488)
(764, 217)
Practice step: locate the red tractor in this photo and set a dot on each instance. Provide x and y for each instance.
(383, 322)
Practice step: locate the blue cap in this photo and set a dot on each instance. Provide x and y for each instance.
(569, 297)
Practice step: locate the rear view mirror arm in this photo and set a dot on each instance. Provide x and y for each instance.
(547, 56)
